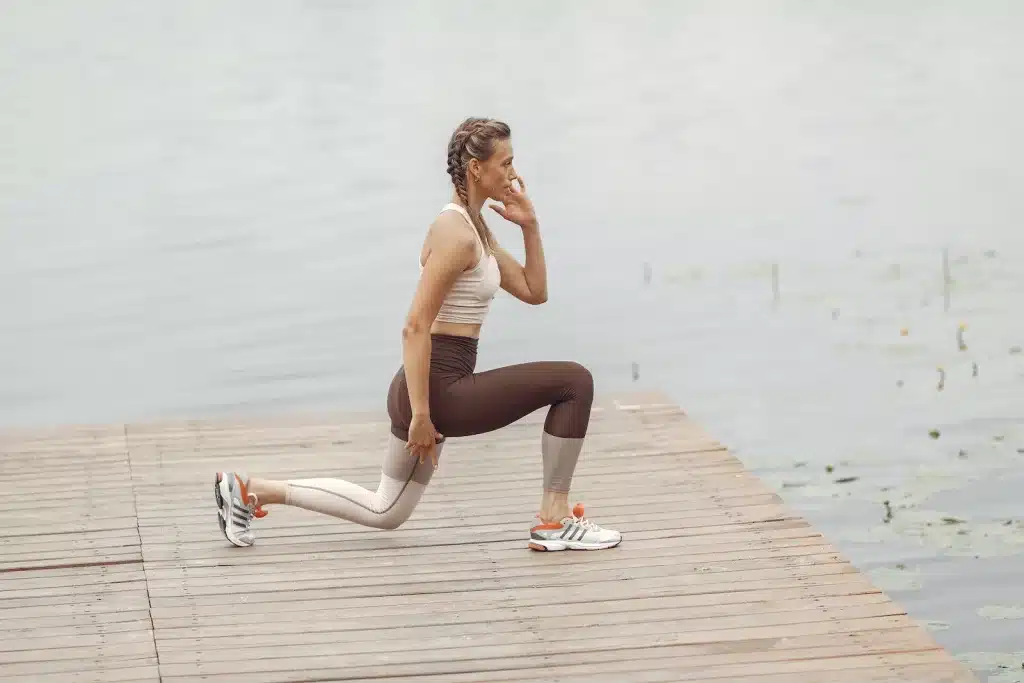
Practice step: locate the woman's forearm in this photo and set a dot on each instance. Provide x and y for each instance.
(535, 270)
(416, 361)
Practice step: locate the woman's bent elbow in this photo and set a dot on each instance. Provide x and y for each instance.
(412, 329)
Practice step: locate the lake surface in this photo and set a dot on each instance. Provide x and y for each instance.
(215, 208)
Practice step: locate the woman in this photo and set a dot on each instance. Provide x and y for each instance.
(436, 394)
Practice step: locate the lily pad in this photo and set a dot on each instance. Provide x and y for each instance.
(1002, 612)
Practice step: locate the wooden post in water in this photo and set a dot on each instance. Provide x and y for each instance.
(946, 280)
(775, 285)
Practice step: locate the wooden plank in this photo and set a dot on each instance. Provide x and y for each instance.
(213, 578)
(513, 617)
(38, 561)
(878, 661)
(125, 630)
(136, 674)
(32, 623)
(332, 659)
(718, 662)
(499, 585)
(481, 576)
(847, 583)
(100, 590)
(606, 626)
(132, 668)
(716, 579)
(59, 609)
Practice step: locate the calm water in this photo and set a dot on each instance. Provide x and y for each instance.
(211, 208)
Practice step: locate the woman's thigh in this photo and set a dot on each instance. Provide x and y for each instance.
(486, 401)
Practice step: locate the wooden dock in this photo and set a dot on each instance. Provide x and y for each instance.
(112, 566)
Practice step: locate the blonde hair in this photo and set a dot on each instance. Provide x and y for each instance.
(474, 139)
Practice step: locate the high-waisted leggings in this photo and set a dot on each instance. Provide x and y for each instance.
(462, 403)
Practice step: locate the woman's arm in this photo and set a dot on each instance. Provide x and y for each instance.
(527, 283)
(451, 250)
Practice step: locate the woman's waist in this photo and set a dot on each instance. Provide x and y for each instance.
(443, 328)
(452, 355)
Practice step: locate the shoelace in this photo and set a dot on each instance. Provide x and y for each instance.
(578, 518)
(253, 507)
(586, 523)
(252, 503)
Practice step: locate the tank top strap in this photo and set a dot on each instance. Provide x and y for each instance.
(452, 206)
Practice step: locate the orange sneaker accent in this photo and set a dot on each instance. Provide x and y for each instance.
(537, 546)
(259, 512)
(555, 525)
(242, 487)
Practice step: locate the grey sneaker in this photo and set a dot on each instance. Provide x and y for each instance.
(574, 532)
(235, 508)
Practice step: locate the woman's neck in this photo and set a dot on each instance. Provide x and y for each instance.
(476, 202)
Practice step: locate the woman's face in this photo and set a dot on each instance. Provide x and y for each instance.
(496, 174)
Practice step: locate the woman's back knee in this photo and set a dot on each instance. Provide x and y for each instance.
(390, 521)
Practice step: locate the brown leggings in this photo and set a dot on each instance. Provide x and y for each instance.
(463, 403)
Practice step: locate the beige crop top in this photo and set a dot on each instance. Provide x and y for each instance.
(469, 299)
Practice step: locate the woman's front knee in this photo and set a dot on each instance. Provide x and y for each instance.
(581, 381)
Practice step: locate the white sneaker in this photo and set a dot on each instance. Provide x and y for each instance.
(235, 508)
(574, 532)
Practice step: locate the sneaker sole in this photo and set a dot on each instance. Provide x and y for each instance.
(551, 546)
(222, 520)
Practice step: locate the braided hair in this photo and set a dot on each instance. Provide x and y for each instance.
(474, 139)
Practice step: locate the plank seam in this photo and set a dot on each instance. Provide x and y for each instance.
(70, 565)
(142, 557)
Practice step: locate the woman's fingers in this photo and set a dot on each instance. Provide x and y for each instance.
(420, 450)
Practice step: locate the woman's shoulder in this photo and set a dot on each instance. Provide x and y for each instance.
(450, 227)
(449, 234)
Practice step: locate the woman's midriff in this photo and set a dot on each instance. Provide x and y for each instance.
(456, 329)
